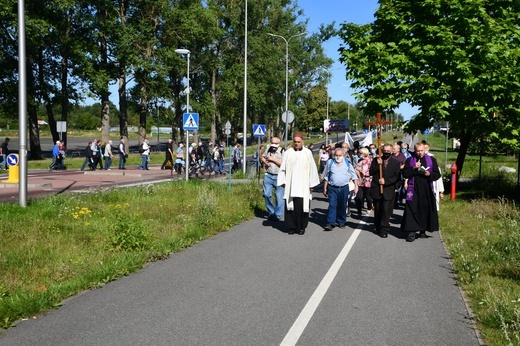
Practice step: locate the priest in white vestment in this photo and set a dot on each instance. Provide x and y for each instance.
(299, 175)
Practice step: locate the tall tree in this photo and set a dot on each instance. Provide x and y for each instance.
(454, 59)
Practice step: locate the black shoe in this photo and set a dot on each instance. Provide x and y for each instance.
(410, 238)
(301, 232)
(327, 227)
(341, 226)
(291, 231)
(383, 235)
(423, 235)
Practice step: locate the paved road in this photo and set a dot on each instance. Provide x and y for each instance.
(257, 285)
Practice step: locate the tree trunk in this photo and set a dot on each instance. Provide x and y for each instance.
(465, 140)
(105, 109)
(123, 105)
(46, 99)
(34, 132)
(143, 112)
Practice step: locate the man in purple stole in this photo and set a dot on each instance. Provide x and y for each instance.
(420, 212)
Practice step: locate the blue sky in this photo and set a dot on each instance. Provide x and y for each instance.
(327, 11)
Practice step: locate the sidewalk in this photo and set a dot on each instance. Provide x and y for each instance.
(42, 183)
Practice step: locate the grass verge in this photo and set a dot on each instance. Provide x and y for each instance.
(481, 229)
(59, 246)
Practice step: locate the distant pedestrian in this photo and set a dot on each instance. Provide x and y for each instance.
(63, 155)
(123, 154)
(94, 150)
(99, 159)
(237, 158)
(145, 156)
(89, 160)
(55, 156)
(180, 162)
(169, 155)
(4, 150)
(323, 157)
(108, 155)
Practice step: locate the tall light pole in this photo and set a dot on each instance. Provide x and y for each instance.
(187, 53)
(244, 136)
(287, 77)
(327, 89)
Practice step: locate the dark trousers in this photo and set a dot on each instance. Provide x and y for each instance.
(363, 193)
(383, 212)
(168, 158)
(296, 219)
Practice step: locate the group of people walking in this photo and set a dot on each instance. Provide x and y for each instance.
(384, 178)
(95, 153)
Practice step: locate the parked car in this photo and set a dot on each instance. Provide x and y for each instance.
(315, 135)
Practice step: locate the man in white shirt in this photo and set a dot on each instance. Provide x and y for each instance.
(145, 156)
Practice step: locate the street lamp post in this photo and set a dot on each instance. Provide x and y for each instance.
(327, 89)
(187, 53)
(287, 77)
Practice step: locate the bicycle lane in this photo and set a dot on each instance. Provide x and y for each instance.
(248, 286)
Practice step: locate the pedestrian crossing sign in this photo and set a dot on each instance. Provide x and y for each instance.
(258, 130)
(190, 121)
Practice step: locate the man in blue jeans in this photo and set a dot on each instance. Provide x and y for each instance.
(337, 175)
(272, 159)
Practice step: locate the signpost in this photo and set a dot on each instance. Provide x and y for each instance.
(190, 123)
(259, 132)
(12, 160)
(287, 118)
(227, 131)
(61, 127)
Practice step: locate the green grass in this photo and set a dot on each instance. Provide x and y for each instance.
(483, 238)
(61, 245)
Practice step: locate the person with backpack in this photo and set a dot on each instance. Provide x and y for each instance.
(337, 175)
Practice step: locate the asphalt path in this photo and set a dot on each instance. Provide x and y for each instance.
(257, 285)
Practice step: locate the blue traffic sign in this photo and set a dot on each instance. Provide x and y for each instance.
(258, 130)
(12, 159)
(190, 121)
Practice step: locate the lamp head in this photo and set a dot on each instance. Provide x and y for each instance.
(182, 51)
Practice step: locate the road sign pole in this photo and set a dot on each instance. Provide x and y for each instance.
(186, 163)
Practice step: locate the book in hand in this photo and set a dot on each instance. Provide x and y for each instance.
(423, 169)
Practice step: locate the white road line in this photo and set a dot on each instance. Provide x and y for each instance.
(305, 316)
